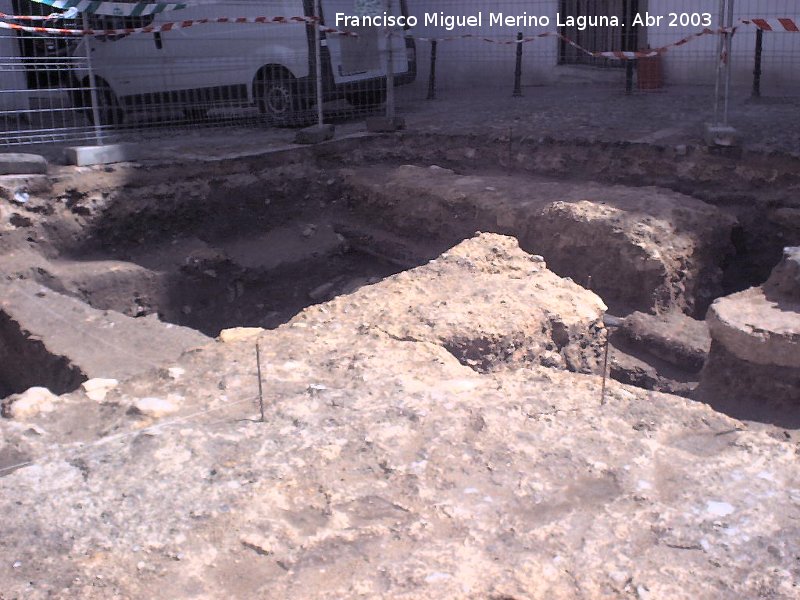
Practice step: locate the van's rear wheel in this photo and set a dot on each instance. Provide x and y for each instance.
(280, 101)
(109, 111)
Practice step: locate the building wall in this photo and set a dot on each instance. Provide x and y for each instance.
(691, 63)
(462, 62)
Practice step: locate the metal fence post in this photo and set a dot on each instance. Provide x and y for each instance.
(318, 61)
(98, 131)
(729, 59)
(720, 49)
(390, 107)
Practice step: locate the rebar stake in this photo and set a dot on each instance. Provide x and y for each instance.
(510, 147)
(260, 388)
(605, 373)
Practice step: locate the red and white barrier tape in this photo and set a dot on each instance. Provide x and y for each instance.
(50, 17)
(620, 55)
(785, 24)
(780, 24)
(483, 39)
(613, 55)
(173, 25)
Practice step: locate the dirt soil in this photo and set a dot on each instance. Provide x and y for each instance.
(55, 341)
(182, 250)
(387, 468)
(250, 244)
(435, 424)
(753, 370)
(641, 248)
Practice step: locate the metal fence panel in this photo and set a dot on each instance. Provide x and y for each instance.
(119, 70)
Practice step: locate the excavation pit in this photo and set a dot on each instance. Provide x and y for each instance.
(217, 252)
(253, 242)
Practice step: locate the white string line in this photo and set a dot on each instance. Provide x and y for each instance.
(120, 436)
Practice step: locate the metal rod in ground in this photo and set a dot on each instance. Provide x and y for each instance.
(605, 372)
(98, 132)
(318, 57)
(432, 75)
(510, 147)
(757, 69)
(260, 388)
(518, 69)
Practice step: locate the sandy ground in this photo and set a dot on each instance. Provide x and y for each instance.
(387, 467)
(672, 116)
(412, 447)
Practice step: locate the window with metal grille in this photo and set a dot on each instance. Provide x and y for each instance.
(600, 39)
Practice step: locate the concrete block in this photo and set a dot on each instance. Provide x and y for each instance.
(720, 135)
(315, 134)
(385, 124)
(83, 156)
(14, 163)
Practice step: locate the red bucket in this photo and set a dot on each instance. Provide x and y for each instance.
(650, 73)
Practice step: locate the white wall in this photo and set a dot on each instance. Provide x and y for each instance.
(474, 62)
(696, 62)
(464, 61)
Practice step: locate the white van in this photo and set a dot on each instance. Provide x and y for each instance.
(222, 65)
(14, 95)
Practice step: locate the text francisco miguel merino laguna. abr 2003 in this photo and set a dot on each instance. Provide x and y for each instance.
(524, 20)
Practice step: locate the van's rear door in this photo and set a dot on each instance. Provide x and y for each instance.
(227, 55)
(363, 57)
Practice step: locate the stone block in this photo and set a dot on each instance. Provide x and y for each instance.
(16, 163)
(315, 134)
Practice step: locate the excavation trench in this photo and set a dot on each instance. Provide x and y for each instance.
(252, 243)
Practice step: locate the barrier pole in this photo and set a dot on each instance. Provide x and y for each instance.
(432, 74)
(318, 61)
(389, 69)
(98, 131)
(757, 68)
(629, 76)
(628, 39)
(518, 69)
